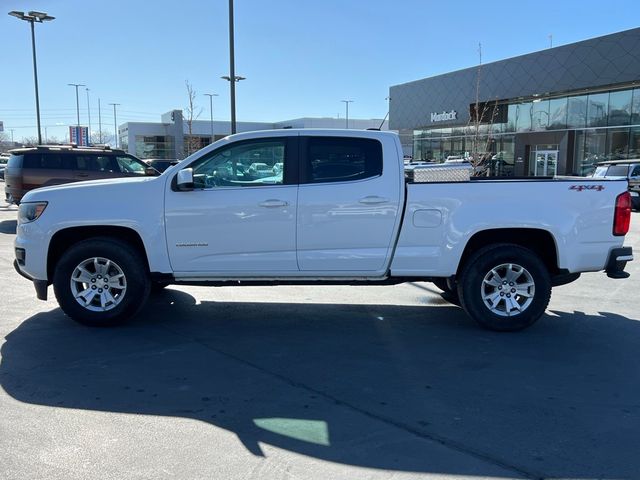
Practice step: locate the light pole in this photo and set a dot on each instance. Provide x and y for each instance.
(99, 121)
(211, 95)
(237, 78)
(115, 122)
(232, 78)
(346, 103)
(33, 18)
(77, 102)
(89, 114)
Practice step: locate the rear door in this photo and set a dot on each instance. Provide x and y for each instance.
(43, 169)
(347, 209)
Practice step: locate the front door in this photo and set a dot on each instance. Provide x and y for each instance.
(240, 219)
(546, 163)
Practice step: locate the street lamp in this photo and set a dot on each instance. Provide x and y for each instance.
(115, 122)
(237, 78)
(211, 95)
(232, 78)
(346, 103)
(77, 101)
(33, 18)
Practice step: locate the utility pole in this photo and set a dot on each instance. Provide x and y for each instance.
(99, 121)
(115, 121)
(89, 114)
(346, 103)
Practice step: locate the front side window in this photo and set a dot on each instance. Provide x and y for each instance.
(247, 164)
(131, 165)
(341, 159)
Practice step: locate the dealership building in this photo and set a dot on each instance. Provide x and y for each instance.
(557, 111)
(171, 138)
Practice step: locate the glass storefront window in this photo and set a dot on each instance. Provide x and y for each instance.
(634, 142)
(580, 167)
(617, 143)
(155, 147)
(635, 107)
(597, 110)
(594, 148)
(523, 117)
(620, 107)
(577, 112)
(540, 115)
(557, 113)
(510, 126)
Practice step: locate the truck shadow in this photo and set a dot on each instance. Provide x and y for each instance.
(378, 386)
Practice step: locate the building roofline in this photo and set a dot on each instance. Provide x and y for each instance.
(536, 52)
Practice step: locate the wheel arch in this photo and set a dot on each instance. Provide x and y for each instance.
(541, 241)
(64, 239)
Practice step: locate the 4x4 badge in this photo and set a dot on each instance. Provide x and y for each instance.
(580, 188)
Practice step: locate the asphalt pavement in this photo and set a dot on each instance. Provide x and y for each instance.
(320, 383)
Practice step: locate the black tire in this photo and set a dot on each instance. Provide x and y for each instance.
(448, 294)
(126, 258)
(157, 287)
(471, 287)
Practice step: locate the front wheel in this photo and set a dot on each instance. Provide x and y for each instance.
(504, 287)
(101, 282)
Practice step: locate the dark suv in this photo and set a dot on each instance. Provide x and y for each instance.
(629, 169)
(42, 166)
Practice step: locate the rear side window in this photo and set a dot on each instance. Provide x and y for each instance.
(635, 172)
(336, 159)
(15, 161)
(43, 161)
(97, 163)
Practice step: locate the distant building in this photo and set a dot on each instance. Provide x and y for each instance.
(170, 137)
(556, 111)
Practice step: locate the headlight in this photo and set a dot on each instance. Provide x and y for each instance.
(28, 212)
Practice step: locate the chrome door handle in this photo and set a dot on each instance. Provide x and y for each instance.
(83, 175)
(273, 203)
(373, 200)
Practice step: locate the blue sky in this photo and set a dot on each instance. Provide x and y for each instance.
(300, 57)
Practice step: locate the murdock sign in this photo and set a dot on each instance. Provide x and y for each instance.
(444, 116)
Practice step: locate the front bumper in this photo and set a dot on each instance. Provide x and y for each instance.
(618, 258)
(41, 286)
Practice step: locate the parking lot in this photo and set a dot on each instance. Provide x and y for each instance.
(320, 382)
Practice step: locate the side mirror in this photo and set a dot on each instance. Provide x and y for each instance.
(184, 180)
(151, 172)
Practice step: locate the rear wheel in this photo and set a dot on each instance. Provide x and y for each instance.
(504, 287)
(101, 282)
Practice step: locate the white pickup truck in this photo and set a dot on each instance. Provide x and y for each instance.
(334, 208)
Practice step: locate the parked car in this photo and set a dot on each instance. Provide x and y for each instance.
(4, 158)
(260, 170)
(43, 166)
(341, 214)
(160, 164)
(622, 169)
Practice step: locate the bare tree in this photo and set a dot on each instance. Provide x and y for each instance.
(29, 141)
(107, 138)
(480, 127)
(191, 143)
